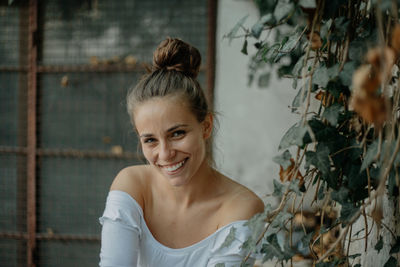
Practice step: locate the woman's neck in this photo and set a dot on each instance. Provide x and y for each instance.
(200, 187)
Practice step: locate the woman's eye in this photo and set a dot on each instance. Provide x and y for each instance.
(149, 140)
(178, 133)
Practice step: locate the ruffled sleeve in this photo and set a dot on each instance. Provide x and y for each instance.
(231, 253)
(121, 231)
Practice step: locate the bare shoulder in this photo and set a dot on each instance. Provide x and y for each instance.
(241, 203)
(132, 180)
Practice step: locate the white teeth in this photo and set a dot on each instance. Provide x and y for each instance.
(174, 167)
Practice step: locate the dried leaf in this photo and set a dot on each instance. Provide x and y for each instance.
(396, 38)
(117, 150)
(64, 81)
(316, 42)
(377, 215)
(366, 78)
(130, 60)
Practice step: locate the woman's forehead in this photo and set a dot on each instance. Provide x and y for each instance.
(162, 112)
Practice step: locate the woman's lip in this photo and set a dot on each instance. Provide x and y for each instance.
(174, 168)
(172, 164)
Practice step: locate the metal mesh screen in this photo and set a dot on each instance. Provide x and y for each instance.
(88, 53)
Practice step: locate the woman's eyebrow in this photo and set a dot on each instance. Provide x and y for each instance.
(176, 127)
(145, 135)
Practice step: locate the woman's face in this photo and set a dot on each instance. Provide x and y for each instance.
(172, 139)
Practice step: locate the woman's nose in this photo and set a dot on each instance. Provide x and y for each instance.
(166, 151)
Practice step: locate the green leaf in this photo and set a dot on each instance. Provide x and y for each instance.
(281, 219)
(294, 136)
(291, 42)
(396, 247)
(319, 158)
(370, 156)
(385, 5)
(257, 29)
(295, 186)
(272, 249)
(333, 72)
(342, 195)
(282, 9)
(263, 80)
(298, 100)
(220, 265)
(357, 50)
(229, 238)
(308, 3)
(346, 75)
(283, 159)
(306, 240)
(325, 264)
(321, 191)
(347, 211)
(278, 189)
(391, 262)
(379, 244)
(267, 19)
(331, 113)
(298, 66)
(321, 76)
(244, 47)
(354, 256)
(233, 32)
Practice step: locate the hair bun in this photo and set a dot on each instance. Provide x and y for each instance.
(175, 54)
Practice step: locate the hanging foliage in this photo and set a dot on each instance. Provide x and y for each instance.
(344, 55)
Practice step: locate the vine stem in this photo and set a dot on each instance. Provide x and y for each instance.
(274, 213)
(377, 193)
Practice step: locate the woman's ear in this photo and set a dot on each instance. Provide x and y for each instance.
(207, 126)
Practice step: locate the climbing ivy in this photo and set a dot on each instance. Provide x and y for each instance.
(343, 55)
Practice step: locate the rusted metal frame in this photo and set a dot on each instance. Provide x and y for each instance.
(72, 153)
(13, 69)
(31, 134)
(90, 68)
(21, 131)
(212, 26)
(50, 236)
(78, 68)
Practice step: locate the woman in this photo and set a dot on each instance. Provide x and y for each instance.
(177, 210)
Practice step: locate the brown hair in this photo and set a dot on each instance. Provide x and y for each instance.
(176, 65)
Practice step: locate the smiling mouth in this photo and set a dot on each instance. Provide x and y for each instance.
(174, 167)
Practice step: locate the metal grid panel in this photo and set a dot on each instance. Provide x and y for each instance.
(12, 253)
(64, 254)
(89, 107)
(12, 197)
(13, 26)
(89, 32)
(72, 193)
(9, 108)
(88, 53)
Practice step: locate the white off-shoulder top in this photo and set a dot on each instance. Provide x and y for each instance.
(127, 241)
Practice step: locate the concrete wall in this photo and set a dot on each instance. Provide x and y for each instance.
(252, 120)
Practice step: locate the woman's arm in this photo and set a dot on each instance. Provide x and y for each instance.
(119, 244)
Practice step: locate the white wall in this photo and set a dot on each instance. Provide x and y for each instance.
(252, 120)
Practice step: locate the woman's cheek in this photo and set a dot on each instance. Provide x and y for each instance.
(148, 154)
